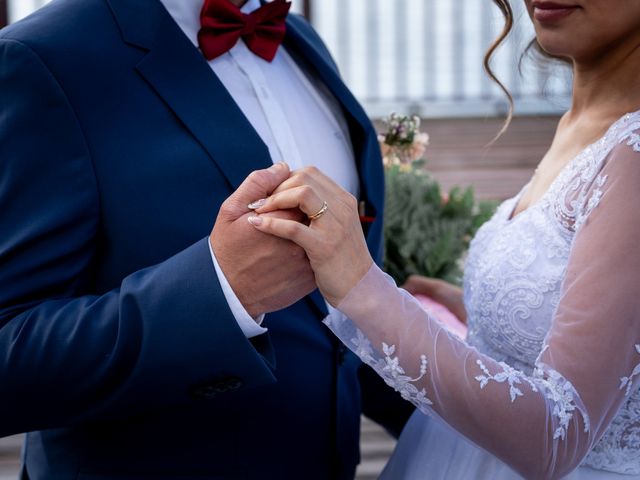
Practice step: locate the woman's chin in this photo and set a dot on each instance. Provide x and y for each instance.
(559, 48)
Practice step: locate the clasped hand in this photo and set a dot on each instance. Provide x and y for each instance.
(334, 242)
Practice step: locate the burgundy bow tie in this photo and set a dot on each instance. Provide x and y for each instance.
(223, 24)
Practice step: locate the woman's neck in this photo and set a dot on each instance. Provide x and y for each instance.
(607, 86)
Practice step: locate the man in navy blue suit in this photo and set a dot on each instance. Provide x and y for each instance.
(147, 331)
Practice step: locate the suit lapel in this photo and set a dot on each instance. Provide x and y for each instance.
(207, 110)
(198, 98)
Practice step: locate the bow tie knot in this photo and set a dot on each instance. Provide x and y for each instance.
(223, 24)
(249, 26)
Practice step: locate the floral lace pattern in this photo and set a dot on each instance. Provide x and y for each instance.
(509, 374)
(386, 364)
(617, 450)
(562, 395)
(557, 389)
(512, 285)
(634, 141)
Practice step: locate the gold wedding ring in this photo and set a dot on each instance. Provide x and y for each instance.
(321, 212)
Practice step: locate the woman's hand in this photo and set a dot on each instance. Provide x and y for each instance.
(333, 240)
(444, 293)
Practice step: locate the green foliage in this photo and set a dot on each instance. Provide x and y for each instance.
(423, 233)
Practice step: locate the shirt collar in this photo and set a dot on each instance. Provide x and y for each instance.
(186, 14)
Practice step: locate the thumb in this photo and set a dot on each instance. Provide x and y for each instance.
(258, 185)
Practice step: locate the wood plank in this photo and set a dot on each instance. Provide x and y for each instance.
(10, 448)
(460, 153)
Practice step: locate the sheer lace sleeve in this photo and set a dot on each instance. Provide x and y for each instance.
(541, 424)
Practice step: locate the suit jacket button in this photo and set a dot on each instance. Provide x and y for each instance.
(228, 384)
(234, 383)
(204, 391)
(211, 390)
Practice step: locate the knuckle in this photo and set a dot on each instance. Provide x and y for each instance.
(350, 200)
(225, 206)
(306, 193)
(254, 176)
(312, 170)
(259, 177)
(303, 176)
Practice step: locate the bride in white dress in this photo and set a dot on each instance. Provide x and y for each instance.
(547, 384)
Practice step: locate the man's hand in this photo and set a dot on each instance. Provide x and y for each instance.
(265, 272)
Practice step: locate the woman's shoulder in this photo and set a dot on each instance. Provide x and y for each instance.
(624, 135)
(622, 147)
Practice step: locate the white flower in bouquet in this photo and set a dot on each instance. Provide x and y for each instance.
(402, 143)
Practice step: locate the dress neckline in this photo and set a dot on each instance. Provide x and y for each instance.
(563, 171)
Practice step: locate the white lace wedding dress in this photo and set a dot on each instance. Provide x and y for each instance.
(548, 383)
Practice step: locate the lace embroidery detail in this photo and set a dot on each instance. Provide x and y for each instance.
(556, 388)
(569, 192)
(634, 142)
(391, 371)
(617, 450)
(593, 201)
(510, 375)
(561, 393)
(628, 381)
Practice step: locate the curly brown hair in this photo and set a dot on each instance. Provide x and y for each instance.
(533, 49)
(507, 12)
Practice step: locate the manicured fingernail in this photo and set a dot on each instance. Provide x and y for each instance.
(255, 221)
(257, 204)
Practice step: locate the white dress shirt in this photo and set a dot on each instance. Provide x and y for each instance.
(293, 113)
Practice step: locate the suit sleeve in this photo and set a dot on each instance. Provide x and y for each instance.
(164, 338)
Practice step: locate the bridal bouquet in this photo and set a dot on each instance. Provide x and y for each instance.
(427, 232)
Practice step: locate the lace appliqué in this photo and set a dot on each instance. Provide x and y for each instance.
(628, 381)
(592, 203)
(562, 394)
(634, 142)
(557, 389)
(570, 191)
(617, 450)
(509, 375)
(391, 371)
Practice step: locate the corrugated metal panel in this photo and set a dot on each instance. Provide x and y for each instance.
(424, 56)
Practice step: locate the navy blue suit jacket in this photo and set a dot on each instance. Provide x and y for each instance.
(117, 349)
